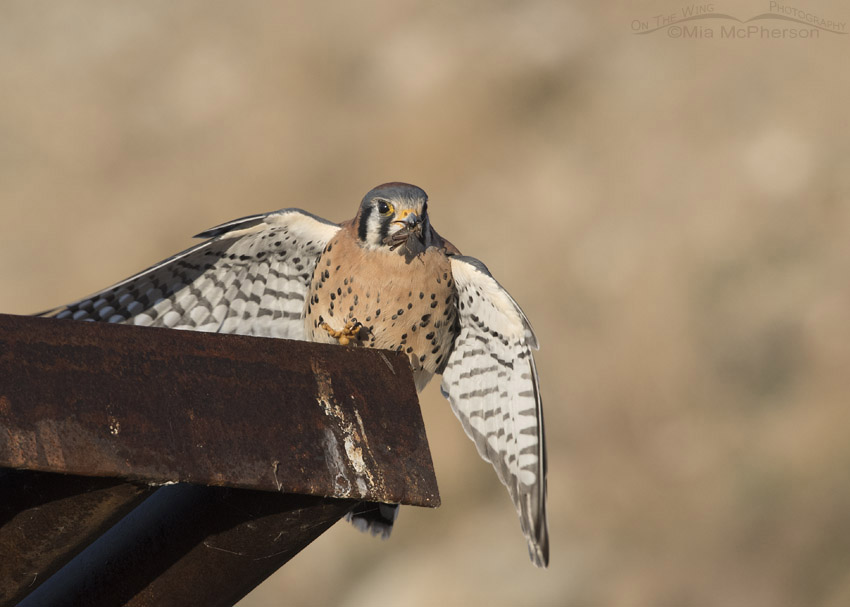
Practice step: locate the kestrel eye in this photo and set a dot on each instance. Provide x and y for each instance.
(384, 208)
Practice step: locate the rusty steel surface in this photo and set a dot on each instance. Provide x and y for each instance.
(191, 545)
(47, 519)
(159, 405)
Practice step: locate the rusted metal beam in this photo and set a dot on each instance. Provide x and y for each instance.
(46, 519)
(191, 545)
(137, 407)
(159, 405)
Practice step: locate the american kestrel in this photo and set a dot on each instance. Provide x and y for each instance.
(384, 279)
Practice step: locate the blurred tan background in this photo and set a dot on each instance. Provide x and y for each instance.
(671, 213)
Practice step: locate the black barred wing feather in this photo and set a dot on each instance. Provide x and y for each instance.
(491, 381)
(250, 277)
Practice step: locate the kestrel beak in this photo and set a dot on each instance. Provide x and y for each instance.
(407, 218)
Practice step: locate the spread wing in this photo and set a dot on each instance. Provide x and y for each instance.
(491, 381)
(250, 277)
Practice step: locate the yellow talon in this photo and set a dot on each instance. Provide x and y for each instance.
(350, 332)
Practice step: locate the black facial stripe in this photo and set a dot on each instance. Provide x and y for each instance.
(362, 229)
(385, 227)
(424, 209)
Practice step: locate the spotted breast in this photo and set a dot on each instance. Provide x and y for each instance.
(389, 299)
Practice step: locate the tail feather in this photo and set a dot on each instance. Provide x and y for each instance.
(374, 518)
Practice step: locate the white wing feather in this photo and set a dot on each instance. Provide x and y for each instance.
(491, 381)
(251, 277)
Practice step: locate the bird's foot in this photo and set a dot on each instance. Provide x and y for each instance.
(350, 332)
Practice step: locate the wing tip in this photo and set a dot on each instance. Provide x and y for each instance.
(535, 525)
(538, 551)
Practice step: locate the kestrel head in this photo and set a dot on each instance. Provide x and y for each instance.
(394, 216)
